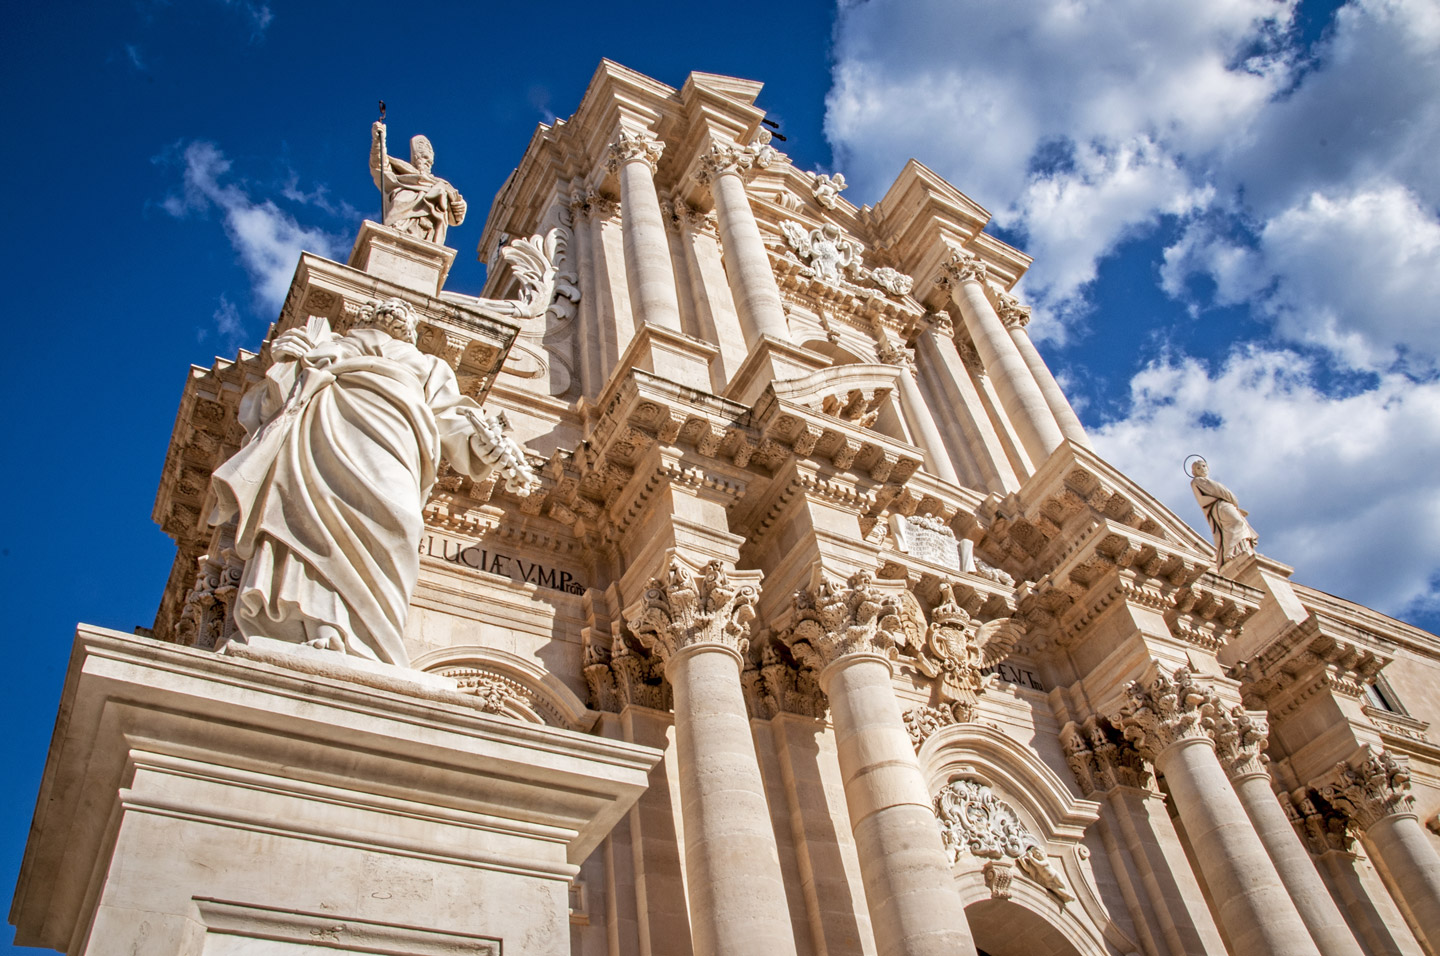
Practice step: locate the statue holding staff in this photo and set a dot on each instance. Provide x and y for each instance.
(413, 199)
(1232, 533)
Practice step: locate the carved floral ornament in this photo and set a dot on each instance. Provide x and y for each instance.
(834, 257)
(964, 267)
(1166, 710)
(976, 822)
(684, 608)
(835, 620)
(1376, 787)
(632, 147)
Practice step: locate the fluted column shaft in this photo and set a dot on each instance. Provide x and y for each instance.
(752, 281)
(923, 428)
(913, 905)
(697, 620)
(649, 272)
(1016, 319)
(1302, 881)
(1020, 396)
(967, 422)
(1250, 900)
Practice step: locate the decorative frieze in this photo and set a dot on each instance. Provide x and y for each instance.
(1166, 710)
(975, 821)
(682, 609)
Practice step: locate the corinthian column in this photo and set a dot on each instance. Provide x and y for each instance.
(1165, 720)
(1016, 317)
(846, 632)
(1240, 738)
(752, 281)
(1020, 396)
(649, 273)
(697, 620)
(1375, 793)
(917, 415)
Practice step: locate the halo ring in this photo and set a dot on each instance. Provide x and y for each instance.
(1186, 465)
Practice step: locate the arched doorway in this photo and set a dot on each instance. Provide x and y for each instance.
(1004, 928)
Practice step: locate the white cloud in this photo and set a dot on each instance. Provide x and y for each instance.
(267, 239)
(1346, 490)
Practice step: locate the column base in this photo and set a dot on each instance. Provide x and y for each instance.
(402, 259)
(671, 355)
(771, 361)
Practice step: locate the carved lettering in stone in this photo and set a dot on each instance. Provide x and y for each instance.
(974, 821)
(928, 538)
(683, 608)
(1167, 710)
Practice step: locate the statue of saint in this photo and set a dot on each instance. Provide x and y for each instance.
(1232, 533)
(344, 439)
(413, 200)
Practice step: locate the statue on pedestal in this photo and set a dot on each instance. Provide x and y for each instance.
(345, 436)
(1232, 533)
(413, 200)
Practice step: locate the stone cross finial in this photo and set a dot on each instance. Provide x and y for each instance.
(1167, 710)
(1375, 788)
(682, 608)
(837, 620)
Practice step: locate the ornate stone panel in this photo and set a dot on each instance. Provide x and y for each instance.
(975, 822)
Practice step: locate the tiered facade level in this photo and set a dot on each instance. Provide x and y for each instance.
(793, 614)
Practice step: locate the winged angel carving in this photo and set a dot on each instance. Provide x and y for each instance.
(833, 256)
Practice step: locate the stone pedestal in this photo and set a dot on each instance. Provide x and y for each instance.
(773, 360)
(402, 259)
(671, 355)
(194, 803)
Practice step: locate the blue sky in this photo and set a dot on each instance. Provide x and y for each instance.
(1232, 206)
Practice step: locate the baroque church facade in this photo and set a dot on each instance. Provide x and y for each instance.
(808, 623)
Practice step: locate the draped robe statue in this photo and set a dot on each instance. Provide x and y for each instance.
(345, 436)
(412, 199)
(1232, 533)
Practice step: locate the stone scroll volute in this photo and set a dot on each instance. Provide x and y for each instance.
(1167, 709)
(834, 620)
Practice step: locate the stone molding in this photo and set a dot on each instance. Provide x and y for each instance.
(1368, 791)
(1312, 657)
(692, 607)
(835, 620)
(632, 147)
(1240, 739)
(1166, 710)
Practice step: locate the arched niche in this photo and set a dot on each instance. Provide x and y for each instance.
(1007, 928)
(514, 686)
(1048, 809)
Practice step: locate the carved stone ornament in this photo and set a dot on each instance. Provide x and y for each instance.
(834, 258)
(1011, 312)
(1101, 758)
(1376, 787)
(921, 722)
(974, 821)
(631, 147)
(206, 620)
(1240, 738)
(928, 538)
(684, 608)
(1167, 710)
(547, 284)
(835, 620)
(828, 188)
(956, 653)
(963, 267)
(618, 677)
(723, 158)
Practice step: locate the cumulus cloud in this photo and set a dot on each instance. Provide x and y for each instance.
(1333, 485)
(267, 239)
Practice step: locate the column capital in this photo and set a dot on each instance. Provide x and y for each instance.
(687, 606)
(939, 323)
(1011, 312)
(1376, 787)
(1240, 739)
(835, 620)
(722, 158)
(632, 147)
(964, 267)
(1167, 710)
(1102, 759)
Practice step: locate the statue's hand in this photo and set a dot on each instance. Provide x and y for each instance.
(377, 130)
(291, 345)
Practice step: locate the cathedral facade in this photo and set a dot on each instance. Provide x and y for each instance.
(803, 618)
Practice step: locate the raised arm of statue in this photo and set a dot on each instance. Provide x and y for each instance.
(379, 159)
